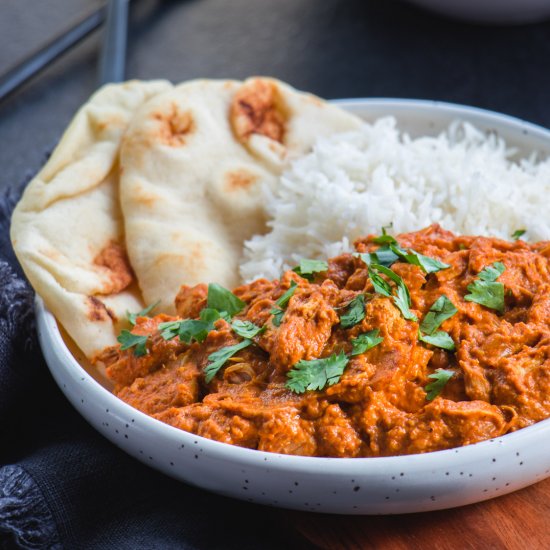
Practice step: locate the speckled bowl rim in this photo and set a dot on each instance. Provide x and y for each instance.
(67, 365)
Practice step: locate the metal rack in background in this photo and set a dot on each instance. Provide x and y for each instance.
(113, 54)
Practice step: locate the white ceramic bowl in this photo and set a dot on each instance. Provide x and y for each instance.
(502, 12)
(388, 485)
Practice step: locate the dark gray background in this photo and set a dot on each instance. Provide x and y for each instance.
(335, 48)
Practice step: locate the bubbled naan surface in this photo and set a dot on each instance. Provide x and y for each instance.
(67, 230)
(195, 162)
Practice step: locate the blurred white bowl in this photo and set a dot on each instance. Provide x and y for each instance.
(490, 11)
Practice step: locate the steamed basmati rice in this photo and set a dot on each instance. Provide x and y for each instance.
(353, 184)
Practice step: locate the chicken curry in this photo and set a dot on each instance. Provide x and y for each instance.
(412, 344)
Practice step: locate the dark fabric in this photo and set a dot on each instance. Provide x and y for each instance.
(63, 486)
(24, 512)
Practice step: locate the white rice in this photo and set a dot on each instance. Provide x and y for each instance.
(355, 183)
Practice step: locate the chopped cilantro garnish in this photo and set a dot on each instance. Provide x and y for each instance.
(441, 310)
(308, 268)
(391, 252)
(485, 290)
(384, 256)
(285, 298)
(129, 340)
(439, 339)
(381, 286)
(518, 233)
(132, 317)
(427, 264)
(402, 299)
(355, 312)
(385, 238)
(277, 316)
(364, 257)
(170, 329)
(492, 272)
(440, 377)
(246, 329)
(316, 374)
(366, 341)
(191, 329)
(218, 358)
(282, 302)
(223, 300)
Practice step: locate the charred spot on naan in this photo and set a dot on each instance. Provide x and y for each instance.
(175, 125)
(240, 180)
(98, 312)
(113, 261)
(258, 108)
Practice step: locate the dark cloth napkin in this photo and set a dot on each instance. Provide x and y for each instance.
(62, 485)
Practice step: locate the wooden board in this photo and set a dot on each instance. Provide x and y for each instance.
(520, 520)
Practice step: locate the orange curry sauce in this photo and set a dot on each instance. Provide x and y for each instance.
(379, 406)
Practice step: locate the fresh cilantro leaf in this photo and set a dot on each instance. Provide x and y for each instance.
(402, 299)
(380, 284)
(355, 312)
(439, 339)
(282, 302)
(366, 341)
(385, 238)
(211, 315)
(384, 256)
(187, 330)
(365, 257)
(441, 310)
(492, 272)
(485, 290)
(487, 294)
(308, 268)
(132, 317)
(277, 316)
(223, 300)
(191, 329)
(316, 374)
(169, 329)
(246, 329)
(196, 330)
(129, 340)
(403, 302)
(427, 264)
(441, 377)
(218, 358)
(518, 233)
(285, 298)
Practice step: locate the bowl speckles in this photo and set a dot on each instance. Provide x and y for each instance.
(390, 485)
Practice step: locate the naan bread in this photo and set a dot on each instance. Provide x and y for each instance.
(67, 230)
(194, 160)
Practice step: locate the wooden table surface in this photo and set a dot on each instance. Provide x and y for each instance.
(518, 521)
